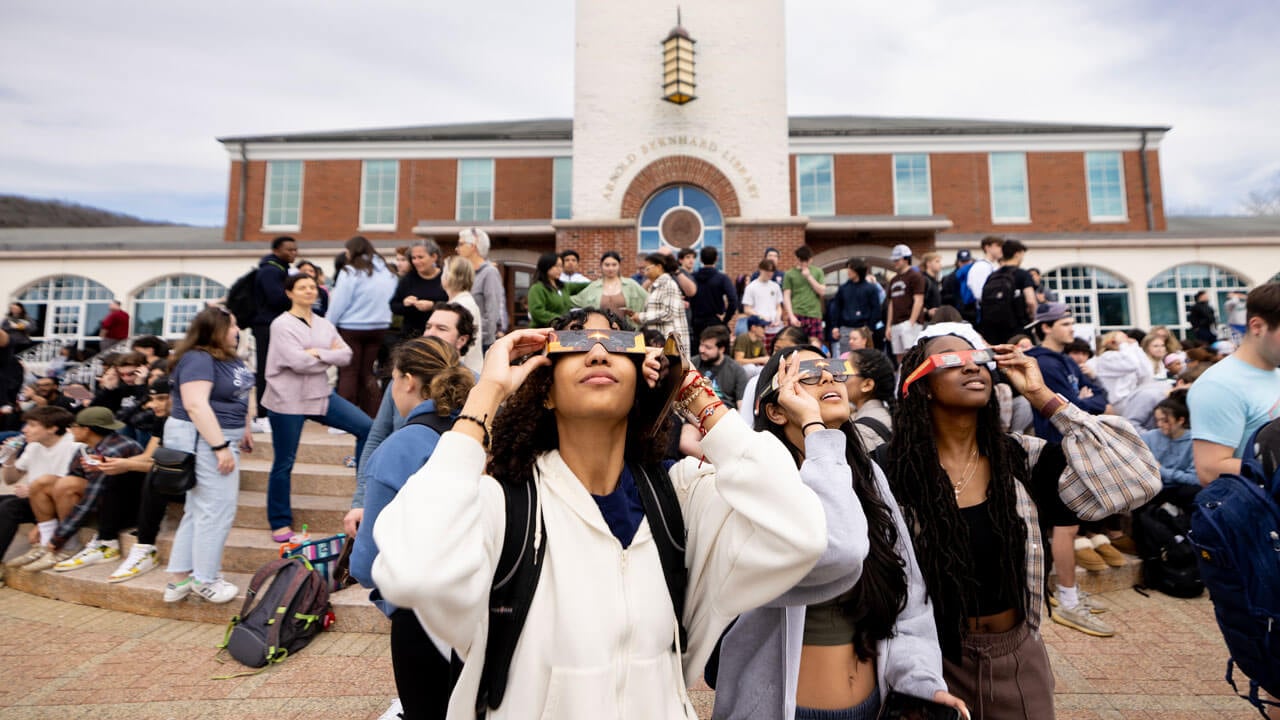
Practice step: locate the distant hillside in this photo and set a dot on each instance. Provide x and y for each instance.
(23, 212)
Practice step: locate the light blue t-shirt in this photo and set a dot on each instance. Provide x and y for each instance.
(1231, 400)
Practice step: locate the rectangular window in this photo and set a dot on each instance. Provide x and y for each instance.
(378, 192)
(815, 187)
(475, 190)
(283, 200)
(911, 195)
(562, 188)
(1104, 176)
(1009, 200)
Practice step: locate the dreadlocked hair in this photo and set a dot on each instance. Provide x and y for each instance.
(525, 427)
(880, 595)
(928, 503)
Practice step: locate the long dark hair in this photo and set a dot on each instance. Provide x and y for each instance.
(207, 332)
(546, 261)
(928, 502)
(525, 427)
(360, 252)
(873, 365)
(881, 592)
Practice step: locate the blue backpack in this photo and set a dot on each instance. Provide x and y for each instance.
(966, 294)
(1236, 531)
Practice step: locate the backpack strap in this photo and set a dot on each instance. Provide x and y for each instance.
(439, 423)
(269, 570)
(876, 426)
(666, 521)
(515, 580)
(275, 653)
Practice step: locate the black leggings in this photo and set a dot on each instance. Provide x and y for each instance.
(151, 512)
(14, 511)
(424, 677)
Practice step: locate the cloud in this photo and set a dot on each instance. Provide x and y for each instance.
(128, 97)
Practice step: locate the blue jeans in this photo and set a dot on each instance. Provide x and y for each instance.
(210, 507)
(286, 431)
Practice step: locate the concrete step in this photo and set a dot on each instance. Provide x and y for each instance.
(1121, 578)
(316, 446)
(307, 478)
(322, 514)
(144, 595)
(247, 549)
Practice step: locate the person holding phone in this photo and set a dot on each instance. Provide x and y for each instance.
(973, 497)
(574, 410)
(867, 628)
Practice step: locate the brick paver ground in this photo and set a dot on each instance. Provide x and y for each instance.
(68, 661)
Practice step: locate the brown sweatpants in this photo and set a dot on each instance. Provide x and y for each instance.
(1003, 676)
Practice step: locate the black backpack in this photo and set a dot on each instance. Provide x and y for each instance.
(1000, 302)
(520, 565)
(284, 619)
(242, 298)
(1236, 529)
(1168, 558)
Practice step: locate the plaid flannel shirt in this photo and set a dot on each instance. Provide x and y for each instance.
(114, 445)
(1109, 470)
(664, 311)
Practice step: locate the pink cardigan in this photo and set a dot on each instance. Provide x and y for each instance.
(297, 383)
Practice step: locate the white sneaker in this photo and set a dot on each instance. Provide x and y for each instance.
(175, 591)
(261, 425)
(142, 558)
(218, 591)
(336, 431)
(94, 552)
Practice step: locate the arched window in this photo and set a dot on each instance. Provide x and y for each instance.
(1095, 296)
(66, 308)
(681, 216)
(1173, 291)
(166, 306)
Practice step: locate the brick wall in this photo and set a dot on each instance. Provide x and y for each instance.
(522, 188)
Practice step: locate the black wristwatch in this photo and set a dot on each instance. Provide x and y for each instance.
(223, 446)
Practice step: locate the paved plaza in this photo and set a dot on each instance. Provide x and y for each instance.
(70, 661)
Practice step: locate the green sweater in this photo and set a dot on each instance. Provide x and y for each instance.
(545, 304)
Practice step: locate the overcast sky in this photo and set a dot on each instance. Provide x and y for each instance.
(118, 104)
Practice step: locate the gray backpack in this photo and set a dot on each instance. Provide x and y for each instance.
(284, 619)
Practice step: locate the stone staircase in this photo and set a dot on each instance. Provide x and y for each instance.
(322, 488)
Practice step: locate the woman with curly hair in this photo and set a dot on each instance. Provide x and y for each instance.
(974, 498)
(867, 628)
(601, 637)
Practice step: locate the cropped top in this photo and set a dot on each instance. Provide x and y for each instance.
(826, 624)
(984, 548)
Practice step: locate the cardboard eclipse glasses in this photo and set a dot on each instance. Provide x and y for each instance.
(811, 372)
(958, 358)
(618, 342)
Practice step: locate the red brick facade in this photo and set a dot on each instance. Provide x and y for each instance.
(863, 186)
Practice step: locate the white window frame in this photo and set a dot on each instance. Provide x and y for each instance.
(364, 196)
(555, 189)
(492, 182)
(266, 196)
(1025, 217)
(928, 183)
(820, 212)
(1088, 183)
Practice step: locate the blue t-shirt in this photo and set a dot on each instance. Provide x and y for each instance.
(622, 509)
(229, 397)
(1231, 400)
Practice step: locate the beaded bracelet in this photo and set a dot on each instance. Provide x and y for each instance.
(483, 427)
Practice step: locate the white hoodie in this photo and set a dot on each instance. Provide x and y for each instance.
(599, 638)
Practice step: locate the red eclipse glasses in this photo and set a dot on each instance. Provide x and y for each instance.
(958, 358)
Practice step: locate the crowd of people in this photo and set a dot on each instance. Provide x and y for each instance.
(879, 489)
